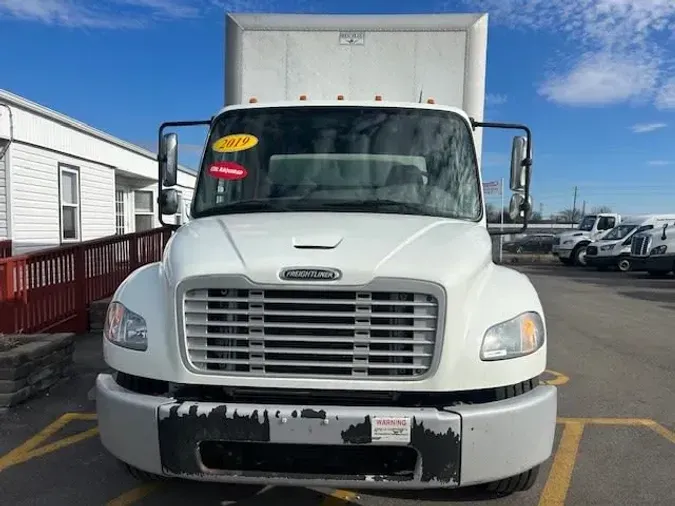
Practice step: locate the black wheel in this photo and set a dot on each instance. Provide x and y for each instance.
(519, 483)
(141, 475)
(519, 250)
(624, 264)
(579, 255)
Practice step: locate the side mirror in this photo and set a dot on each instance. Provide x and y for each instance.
(519, 207)
(663, 235)
(168, 201)
(168, 159)
(520, 164)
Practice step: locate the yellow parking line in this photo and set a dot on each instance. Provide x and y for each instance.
(558, 378)
(646, 422)
(135, 494)
(661, 430)
(560, 476)
(339, 498)
(29, 448)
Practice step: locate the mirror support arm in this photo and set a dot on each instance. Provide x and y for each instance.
(162, 127)
(526, 163)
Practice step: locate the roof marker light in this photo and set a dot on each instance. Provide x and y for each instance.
(303, 97)
(340, 97)
(252, 100)
(378, 98)
(430, 101)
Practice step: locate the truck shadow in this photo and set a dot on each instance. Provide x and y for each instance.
(666, 297)
(466, 494)
(178, 492)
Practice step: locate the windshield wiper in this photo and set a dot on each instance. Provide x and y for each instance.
(376, 205)
(245, 206)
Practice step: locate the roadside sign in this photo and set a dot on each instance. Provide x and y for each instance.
(492, 187)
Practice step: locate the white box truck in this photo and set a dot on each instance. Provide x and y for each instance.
(570, 246)
(331, 315)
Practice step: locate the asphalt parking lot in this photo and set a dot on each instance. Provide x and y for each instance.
(611, 352)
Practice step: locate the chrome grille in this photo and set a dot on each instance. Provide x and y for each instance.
(639, 245)
(315, 333)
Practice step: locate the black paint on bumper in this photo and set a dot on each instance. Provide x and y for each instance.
(292, 435)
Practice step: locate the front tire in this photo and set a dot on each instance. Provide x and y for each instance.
(519, 483)
(579, 255)
(624, 264)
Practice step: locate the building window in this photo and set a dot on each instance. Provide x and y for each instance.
(69, 193)
(120, 216)
(144, 210)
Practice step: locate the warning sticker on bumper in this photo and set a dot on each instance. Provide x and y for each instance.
(390, 429)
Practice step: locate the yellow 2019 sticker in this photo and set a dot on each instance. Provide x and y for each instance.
(234, 142)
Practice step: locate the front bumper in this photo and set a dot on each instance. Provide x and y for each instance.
(601, 261)
(563, 253)
(439, 448)
(665, 263)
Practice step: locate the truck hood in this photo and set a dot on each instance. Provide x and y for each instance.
(573, 233)
(363, 246)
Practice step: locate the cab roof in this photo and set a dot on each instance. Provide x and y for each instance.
(345, 103)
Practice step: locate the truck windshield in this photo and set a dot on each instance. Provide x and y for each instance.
(587, 223)
(340, 158)
(618, 232)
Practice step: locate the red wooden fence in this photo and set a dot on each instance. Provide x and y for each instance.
(5, 248)
(50, 290)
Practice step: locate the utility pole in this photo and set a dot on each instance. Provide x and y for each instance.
(574, 204)
(583, 209)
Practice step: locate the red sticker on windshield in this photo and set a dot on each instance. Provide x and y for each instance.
(231, 171)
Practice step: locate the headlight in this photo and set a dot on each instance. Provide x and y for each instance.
(517, 337)
(125, 328)
(659, 250)
(609, 247)
(569, 241)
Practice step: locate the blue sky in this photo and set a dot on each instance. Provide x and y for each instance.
(595, 79)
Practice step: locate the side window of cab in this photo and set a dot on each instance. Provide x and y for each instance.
(606, 222)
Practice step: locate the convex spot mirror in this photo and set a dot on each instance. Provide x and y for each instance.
(519, 169)
(168, 159)
(516, 207)
(168, 201)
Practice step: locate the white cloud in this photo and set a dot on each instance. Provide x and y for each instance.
(601, 79)
(618, 47)
(659, 163)
(107, 14)
(642, 128)
(495, 99)
(665, 98)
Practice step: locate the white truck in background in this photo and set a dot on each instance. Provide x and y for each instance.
(570, 246)
(654, 251)
(331, 315)
(613, 249)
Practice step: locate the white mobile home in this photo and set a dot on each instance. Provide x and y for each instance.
(62, 181)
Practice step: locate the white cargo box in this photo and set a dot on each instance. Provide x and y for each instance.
(405, 58)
